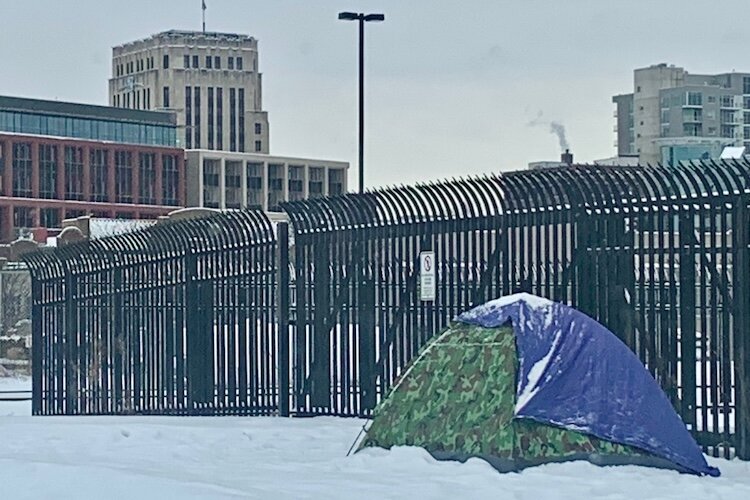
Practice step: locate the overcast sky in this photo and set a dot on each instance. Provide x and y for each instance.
(451, 86)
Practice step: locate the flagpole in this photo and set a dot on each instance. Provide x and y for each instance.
(203, 7)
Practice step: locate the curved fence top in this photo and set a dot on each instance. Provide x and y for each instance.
(225, 230)
(591, 187)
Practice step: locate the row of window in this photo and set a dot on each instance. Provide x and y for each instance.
(189, 61)
(695, 98)
(211, 62)
(135, 99)
(275, 177)
(135, 66)
(87, 128)
(100, 190)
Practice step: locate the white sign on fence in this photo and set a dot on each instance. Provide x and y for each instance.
(427, 276)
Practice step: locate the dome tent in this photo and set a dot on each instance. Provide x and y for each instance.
(521, 381)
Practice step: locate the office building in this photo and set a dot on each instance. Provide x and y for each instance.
(673, 115)
(209, 80)
(60, 160)
(227, 180)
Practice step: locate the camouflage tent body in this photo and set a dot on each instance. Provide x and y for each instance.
(457, 401)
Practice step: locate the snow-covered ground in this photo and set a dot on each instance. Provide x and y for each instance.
(227, 457)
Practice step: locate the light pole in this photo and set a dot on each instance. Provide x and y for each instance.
(362, 18)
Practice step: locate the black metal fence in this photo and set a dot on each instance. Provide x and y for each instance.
(162, 322)
(179, 318)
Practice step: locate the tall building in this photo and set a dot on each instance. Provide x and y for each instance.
(62, 160)
(210, 80)
(673, 115)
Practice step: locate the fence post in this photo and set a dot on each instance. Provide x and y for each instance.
(117, 401)
(586, 278)
(741, 332)
(68, 396)
(687, 318)
(321, 364)
(36, 346)
(282, 314)
(366, 314)
(198, 316)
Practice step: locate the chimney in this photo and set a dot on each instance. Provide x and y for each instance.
(567, 157)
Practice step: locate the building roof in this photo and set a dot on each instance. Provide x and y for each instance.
(181, 34)
(71, 109)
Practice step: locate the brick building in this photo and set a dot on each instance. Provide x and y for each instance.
(62, 160)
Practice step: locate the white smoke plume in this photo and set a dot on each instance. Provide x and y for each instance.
(554, 127)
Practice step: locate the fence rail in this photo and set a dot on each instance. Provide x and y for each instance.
(222, 316)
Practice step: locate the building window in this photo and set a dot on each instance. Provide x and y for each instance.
(257, 128)
(23, 220)
(232, 120)
(638, 88)
(210, 101)
(165, 61)
(165, 97)
(217, 62)
(711, 99)
(219, 118)
(275, 187)
(73, 158)
(47, 171)
(238, 63)
(188, 117)
(99, 166)
(186, 61)
(195, 62)
(197, 118)
(296, 182)
(230, 62)
(123, 177)
(254, 185)
(146, 179)
(335, 181)
(170, 180)
(727, 116)
(209, 61)
(695, 98)
(727, 131)
(241, 118)
(22, 169)
(746, 84)
(258, 146)
(233, 184)
(211, 183)
(727, 101)
(49, 217)
(315, 184)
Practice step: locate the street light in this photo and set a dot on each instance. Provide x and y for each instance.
(362, 18)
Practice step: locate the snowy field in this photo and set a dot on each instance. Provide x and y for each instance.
(226, 457)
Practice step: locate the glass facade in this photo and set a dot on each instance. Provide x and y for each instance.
(87, 128)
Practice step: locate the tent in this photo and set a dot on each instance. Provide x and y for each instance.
(522, 381)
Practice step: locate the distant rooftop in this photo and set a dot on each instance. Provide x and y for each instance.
(210, 35)
(71, 109)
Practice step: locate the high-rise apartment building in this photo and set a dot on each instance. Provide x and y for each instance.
(210, 80)
(673, 115)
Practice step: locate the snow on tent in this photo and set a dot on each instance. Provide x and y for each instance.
(522, 381)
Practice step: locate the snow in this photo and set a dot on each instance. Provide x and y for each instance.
(534, 378)
(532, 301)
(286, 458)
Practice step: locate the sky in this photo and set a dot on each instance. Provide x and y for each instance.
(452, 88)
